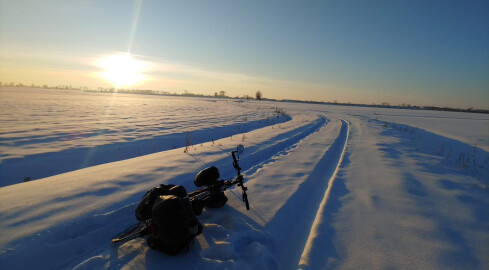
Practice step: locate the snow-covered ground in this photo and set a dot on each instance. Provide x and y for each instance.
(47, 132)
(329, 186)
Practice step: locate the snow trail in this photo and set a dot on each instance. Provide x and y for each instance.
(404, 208)
(312, 256)
(290, 196)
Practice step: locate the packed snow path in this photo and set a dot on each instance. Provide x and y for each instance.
(292, 187)
(401, 208)
(326, 189)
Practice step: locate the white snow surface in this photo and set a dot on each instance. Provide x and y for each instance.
(329, 186)
(47, 132)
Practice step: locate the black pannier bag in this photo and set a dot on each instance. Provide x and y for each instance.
(215, 201)
(175, 230)
(207, 177)
(143, 210)
(173, 222)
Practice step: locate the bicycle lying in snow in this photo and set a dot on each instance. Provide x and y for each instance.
(168, 214)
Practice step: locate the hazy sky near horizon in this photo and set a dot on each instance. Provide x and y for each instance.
(412, 51)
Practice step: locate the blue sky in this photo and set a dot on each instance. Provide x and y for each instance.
(417, 52)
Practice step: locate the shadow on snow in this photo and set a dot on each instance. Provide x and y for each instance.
(455, 180)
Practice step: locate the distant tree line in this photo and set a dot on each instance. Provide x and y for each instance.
(220, 94)
(258, 96)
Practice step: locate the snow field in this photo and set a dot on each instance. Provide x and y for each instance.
(82, 202)
(470, 158)
(405, 208)
(48, 132)
(329, 187)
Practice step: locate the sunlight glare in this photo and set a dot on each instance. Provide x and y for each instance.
(122, 69)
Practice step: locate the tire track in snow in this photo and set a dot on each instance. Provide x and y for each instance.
(311, 256)
(248, 242)
(278, 145)
(291, 190)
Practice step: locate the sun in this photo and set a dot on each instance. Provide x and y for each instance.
(121, 69)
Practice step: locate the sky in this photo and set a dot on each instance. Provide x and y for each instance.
(363, 51)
